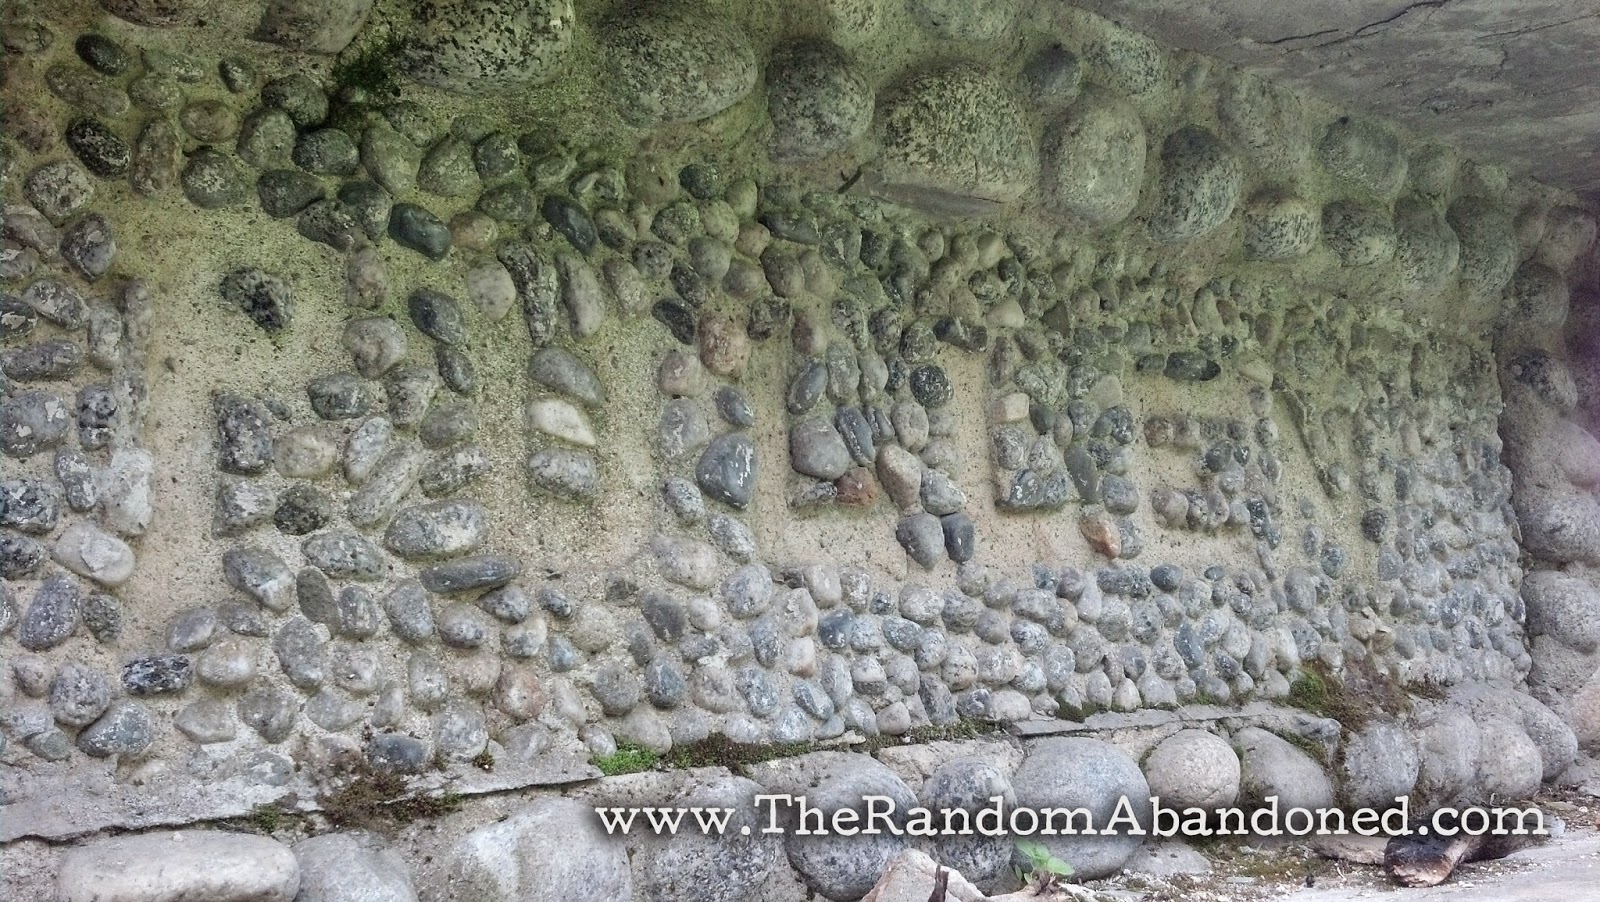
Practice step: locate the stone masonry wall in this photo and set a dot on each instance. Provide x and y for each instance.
(388, 386)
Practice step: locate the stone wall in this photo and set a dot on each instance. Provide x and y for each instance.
(402, 389)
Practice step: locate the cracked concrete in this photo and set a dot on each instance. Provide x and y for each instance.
(1513, 81)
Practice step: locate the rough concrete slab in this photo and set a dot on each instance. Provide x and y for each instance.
(1516, 82)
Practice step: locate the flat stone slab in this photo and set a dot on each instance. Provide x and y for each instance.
(180, 865)
(89, 805)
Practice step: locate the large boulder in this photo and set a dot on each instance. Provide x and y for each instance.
(1509, 764)
(955, 142)
(553, 849)
(1489, 248)
(693, 866)
(312, 26)
(1448, 750)
(487, 45)
(1193, 769)
(1094, 160)
(181, 864)
(1199, 186)
(835, 866)
(1093, 775)
(1271, 766)
(818, 101)
(1564, 607)
(1377, 766)
(969, 784)
(674, 66)
(352, 867)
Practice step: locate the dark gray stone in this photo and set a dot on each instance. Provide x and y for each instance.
(559, 371)
(437, 315)
(32, 421)
(124, 730)
(340, 396)
(727, 469)
(285, 192)
(45, 361)
(52, 616)
(157, 674)
(410, 614)
(397, 753)
(263, 297)
(345, 555)
(466, 574)
(420, 230)
(922, 537)
(571, 220)
(99, 148)
(212, 180)
(508, 603)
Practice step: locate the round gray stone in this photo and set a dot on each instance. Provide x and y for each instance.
(1090, 774)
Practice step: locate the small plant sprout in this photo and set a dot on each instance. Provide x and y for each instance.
(1041, 871)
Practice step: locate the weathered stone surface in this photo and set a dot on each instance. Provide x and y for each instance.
(352, 867)
(471, 46)
(1087, 773)
(91, 552)
(835, 866)
(1364, 154)
(818, 100)
(1489, 251)
(438, 529)
(1427, 251)
(32, 421)
(552, 848)
(676, 66)
(695, 867)
(186, 864)
(1094, 160)
(1358, 234)
(1193, 768)
(314, 26)
(1265, 121)
(1199, 186)
(1280, 227)
(1564, 607)
(1378, 765)
(955, 141)
(1270, 766)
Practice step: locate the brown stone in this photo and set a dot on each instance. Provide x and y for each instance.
(1102, 534)
(724, 346)
(857, 487)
